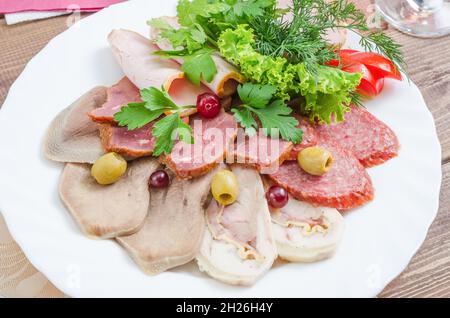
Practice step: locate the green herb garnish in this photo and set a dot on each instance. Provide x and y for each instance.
(156, 102)
(258, 100)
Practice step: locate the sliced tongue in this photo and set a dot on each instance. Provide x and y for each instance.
(173, 230)
(71, 136)
(118, 95)
(107, 211)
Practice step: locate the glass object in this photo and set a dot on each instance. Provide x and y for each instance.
(422, 18)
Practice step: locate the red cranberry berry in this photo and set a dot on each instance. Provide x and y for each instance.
(208, 105)
(159, 179)
(277, 197)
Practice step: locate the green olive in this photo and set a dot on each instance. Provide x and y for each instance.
(225, 187)
(109, 168)
(315, 160)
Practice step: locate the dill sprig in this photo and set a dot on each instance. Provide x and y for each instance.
(301, 37)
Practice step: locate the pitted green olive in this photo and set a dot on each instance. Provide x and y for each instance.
(315, 160)
(109, 168)
(225, 187)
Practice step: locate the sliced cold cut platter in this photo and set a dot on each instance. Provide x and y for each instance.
(390, 206)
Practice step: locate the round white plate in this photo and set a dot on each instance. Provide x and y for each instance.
(379, 240)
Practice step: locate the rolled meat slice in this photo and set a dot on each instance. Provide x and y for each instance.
(72, 136)
(306, 233)
(238, 246)
(134, 54)
(227, 78)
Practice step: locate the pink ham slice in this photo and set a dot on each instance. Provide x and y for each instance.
(346, 186)
(128, 143)
(212, 138)
(371, 141)
(263, 153)
(309, 137)
(227, 78)
(120, 94)
(133, 52)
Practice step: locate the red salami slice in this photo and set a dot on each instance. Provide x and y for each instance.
(368, 138)
(347, 185)
(309, 137)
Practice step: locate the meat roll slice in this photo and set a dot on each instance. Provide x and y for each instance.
(238, 246)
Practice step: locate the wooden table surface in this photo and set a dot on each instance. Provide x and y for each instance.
(428, 274)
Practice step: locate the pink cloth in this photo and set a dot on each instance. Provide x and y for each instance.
(12, 6)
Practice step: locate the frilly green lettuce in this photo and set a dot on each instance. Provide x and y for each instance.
(327, 91)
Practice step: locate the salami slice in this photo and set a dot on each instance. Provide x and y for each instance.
(368, 138)
(346, 186)
(309, 137)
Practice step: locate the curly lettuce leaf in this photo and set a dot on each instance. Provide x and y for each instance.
(327, 92)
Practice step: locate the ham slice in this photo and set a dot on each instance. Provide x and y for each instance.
(227, 78)
(120, 94)
(128, 143)
(134, 54)
(212, 138)
(238, 245)
(261, 152)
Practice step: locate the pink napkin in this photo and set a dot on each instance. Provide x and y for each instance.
(12, 6)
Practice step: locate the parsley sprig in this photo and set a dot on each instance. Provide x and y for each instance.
(273, 114)
(156, 102)
(201, 22)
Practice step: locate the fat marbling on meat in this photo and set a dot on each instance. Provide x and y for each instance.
(345, 186)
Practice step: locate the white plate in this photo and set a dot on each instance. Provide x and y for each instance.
(379, 240)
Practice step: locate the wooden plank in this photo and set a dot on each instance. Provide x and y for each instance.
(428, 274)
(19, 43)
